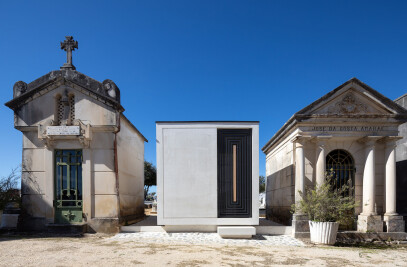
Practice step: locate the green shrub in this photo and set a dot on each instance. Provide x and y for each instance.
(324, 203)
(9, 191)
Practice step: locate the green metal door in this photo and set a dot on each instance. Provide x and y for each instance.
(68, 186)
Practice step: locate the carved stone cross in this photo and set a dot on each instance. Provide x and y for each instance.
(69, 45)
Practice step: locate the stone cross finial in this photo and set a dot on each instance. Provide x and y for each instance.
(69, 45)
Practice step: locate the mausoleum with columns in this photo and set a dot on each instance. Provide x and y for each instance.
(351, 132)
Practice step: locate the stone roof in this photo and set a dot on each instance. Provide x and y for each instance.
(306, 113)
(106, 92)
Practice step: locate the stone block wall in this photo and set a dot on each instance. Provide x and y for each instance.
(130, 161)
(280, 184)
(33, 184)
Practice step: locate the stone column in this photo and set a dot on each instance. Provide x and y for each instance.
(368, 220)
(369, 185)
(320, 165)
(393, 222)
(300, 224)
(299, 171)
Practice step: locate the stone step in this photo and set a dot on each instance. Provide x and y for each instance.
(273, 230)
(261, 230)
(236, 231)
(74, 229)
(136, 229)
(359, 237)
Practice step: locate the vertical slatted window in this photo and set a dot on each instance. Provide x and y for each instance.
(71, 109)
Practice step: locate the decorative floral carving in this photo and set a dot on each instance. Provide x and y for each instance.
(19, 88)
(350, 105)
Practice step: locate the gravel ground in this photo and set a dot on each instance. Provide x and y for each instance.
(208, 239)
(120, 250)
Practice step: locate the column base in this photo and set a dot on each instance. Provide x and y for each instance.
(394, 223)
(370, 223)
(300, 225)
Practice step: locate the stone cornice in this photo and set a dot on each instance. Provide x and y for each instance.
(400, 116)
(106, 92)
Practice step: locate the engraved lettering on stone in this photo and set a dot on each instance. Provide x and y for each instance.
(63, 130)
(347, 128)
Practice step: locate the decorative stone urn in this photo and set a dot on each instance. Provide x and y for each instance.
(323, 232)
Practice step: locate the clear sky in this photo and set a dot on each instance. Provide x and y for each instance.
(205, 60)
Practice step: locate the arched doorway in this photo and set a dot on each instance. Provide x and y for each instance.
(342, 166)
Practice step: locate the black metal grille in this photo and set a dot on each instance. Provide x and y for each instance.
(342, 167)
(241, 207)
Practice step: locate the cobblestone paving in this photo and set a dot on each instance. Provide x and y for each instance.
(207, 239)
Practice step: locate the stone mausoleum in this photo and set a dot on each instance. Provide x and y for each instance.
(401, 163)
(83, 160)
(352, 131)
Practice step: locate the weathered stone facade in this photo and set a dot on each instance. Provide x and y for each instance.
(401, 163)
(355, 120)
(66, 110)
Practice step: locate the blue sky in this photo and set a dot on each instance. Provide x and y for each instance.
(205, 60)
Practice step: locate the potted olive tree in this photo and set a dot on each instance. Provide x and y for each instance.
(327, 207)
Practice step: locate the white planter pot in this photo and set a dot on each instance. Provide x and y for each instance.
(323, 232)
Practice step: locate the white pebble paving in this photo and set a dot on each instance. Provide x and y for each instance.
(207, 239)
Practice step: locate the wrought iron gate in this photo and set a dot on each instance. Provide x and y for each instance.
(68, 186)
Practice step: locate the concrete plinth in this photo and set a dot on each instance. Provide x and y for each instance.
(300, 225)
(236, 231)
(370, 223)
(394, 223)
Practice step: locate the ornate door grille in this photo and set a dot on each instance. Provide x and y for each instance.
(342, 167)
(68, 186)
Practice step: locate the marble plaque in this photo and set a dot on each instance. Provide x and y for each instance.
(63, 130)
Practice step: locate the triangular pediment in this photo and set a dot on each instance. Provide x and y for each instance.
(351, 102)
(105, 92)
(352, 98)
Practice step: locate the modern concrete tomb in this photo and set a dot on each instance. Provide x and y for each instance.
(207, 175)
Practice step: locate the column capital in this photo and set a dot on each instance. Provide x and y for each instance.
(390, 141)
(321, 139)
(301, 139)
(369, 140)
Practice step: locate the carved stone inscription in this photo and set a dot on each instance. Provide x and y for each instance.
(63, 130)
(346, 128)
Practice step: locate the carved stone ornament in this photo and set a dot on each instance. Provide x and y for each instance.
(19, 88)
(110, 88)
(350, 105)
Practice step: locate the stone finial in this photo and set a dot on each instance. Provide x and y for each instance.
(111, 89)
(19, 88)
(69, 45)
